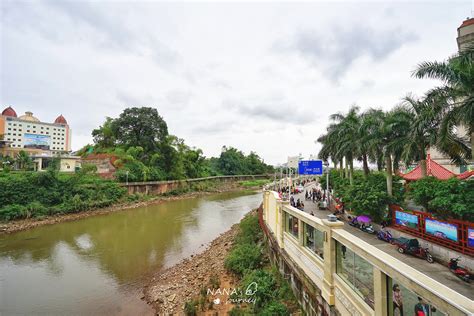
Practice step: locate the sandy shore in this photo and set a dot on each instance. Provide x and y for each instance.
(24, 224)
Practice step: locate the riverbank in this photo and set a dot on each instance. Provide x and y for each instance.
(25, 224)
(232, 276)
(169, 290)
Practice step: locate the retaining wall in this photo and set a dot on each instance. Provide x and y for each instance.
(160, 187)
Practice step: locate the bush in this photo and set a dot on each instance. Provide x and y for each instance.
(250, 231)
(54, 193)
(445, 198)
(11, 212)
(274, 309)
(243, 257)
(190, 308)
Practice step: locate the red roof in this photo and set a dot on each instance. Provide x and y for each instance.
(467, 22)
(433, 169)
(465, 175)
(9, 111)
(60, 120)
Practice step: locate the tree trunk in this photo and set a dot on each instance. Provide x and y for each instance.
(351, 172)
(388, 166)
(341, 169)
(472, 146)
(346, 168)
(423, 168)
(366, 165)
(380, 164)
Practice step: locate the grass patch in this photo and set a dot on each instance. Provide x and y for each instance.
(254, 183)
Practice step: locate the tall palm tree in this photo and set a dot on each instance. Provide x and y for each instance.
(457, 96)
(423, 130)
(385, 135)
(348, 128)
(329, 149)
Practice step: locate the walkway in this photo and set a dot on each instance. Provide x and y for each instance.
(435, 270)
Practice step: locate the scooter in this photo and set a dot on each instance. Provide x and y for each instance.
(368, 229)
(461, 272)
(354, 222)
(385, 235)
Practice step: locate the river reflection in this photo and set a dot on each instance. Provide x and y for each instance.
(90, 266)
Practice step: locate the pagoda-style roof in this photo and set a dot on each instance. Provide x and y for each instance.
(433, 169)
(466, 175)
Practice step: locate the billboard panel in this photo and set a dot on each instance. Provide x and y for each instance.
(406, 219)
(36, 141)
(310, 167)
(470, 237)
(441, 229)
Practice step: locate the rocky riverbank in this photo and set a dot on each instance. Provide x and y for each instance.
(24, 224)
(169, 290)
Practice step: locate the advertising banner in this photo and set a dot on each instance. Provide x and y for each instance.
(36, 141)
(406, 219)
(441, 229)
(310, 167)
(470, 237)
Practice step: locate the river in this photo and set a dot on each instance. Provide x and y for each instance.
(97, 265)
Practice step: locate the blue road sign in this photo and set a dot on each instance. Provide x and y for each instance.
(313, 167)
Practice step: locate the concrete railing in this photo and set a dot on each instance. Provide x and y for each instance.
(321, 270)
(160, 187)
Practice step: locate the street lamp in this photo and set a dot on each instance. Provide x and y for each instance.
(326, 168)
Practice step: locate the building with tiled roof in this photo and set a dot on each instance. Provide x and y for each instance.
(434, 169)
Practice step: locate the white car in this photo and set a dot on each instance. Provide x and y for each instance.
(300, 188)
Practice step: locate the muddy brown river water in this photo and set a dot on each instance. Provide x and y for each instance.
(96, 266)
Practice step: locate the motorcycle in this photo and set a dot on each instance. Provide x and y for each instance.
(385, 235)
(412, 247)
(368, 229)
(461, 272)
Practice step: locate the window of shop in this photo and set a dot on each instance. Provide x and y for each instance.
(291, 225)
(314, 240)
(356, 272)
(402, 301)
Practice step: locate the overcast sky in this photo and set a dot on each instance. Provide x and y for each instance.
(262, 77)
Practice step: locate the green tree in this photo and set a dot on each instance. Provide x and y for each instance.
(23, 160)
(456, 95)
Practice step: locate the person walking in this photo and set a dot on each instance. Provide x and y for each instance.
(397, 299)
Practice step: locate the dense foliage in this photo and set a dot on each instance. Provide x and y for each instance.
(405, 134)
(273, 295)
(452, 198)
(367, 195)
(139, 139)
(36, 194)
(246, 253)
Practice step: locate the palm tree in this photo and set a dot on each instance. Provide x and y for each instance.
(384, 134)
(347, 131)
(423, 130)
(457, 97)
(329, 149)
(23, 160)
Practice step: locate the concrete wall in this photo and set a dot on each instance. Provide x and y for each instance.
(335, 292)
(160, 187)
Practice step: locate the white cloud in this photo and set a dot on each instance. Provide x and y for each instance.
(212, 69)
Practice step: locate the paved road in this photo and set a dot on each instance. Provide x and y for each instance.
(435, 270)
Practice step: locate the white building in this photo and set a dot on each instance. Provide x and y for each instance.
(28, 133)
